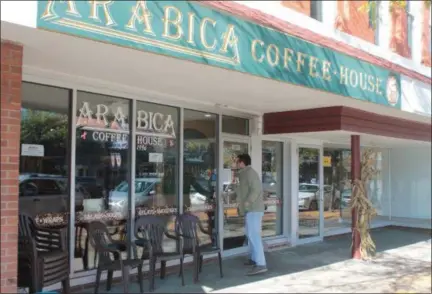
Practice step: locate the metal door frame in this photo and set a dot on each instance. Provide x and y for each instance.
(229, 138)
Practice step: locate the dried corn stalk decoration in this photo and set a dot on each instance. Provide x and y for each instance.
(361, 203)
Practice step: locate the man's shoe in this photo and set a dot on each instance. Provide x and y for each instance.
(256, 270)
(249, 262)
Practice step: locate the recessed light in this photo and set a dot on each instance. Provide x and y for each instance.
(207, 115)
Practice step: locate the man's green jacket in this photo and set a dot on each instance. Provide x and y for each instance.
(249, 191)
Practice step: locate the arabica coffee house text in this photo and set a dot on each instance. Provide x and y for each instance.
(153, 128)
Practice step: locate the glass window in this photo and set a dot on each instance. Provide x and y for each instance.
(429, 33)
(316, 10)
(156, 166)
(199, 164)
(376, 185)
(272, 182)
(410, 25)
(235, 125)
(337, 188)
(308, 196)
(44, 160)
(102, 164)
(48, 187)
(374, 19)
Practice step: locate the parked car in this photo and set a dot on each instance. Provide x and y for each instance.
(145, 189)
(92, 185)
(269, 192)
(42, 193)
(346, 198)
(269, 185)
(145, 192)
(309, 195)
(197, 198)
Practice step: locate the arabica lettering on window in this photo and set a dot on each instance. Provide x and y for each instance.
(155, 122)
(101, 117)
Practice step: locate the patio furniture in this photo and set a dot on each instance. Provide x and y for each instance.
(188, 226)
(43, 257)
(110, 258)
(149, 233)
(81, 231)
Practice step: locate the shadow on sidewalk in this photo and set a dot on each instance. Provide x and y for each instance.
(328, 262)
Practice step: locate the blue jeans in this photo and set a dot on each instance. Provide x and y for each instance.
(253, 226)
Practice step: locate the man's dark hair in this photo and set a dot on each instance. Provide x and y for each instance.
(245, 158)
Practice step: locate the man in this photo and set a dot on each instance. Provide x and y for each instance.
(251, 205)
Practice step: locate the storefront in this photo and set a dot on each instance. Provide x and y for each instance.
(73, 134)
(165, 95)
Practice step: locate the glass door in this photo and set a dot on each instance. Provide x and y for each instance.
(310, 196)
(233, 224)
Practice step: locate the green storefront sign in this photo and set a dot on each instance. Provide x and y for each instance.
(190, 30)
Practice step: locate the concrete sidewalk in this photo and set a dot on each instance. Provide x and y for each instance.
(403, 264)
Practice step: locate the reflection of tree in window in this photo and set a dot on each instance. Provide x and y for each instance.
(50, 130)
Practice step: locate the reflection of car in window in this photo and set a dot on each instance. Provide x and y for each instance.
(228, 192)
(39, 194)
(145, 190)
(92, 186)
(269, 185)
(346, 197)
(309, 195)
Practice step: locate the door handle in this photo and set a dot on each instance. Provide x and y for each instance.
(36, 199)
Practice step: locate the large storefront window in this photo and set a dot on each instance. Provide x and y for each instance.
(272, 181)
(199, 166)
(337, 188)
(102, 170)
(44, 160)
(44, 169)
(309, 193)
(156, 165)
(102, 153)
(378, 198)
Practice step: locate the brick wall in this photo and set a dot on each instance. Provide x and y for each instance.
(426, 36)
(11, 73)
(299, 6)
(354, 22)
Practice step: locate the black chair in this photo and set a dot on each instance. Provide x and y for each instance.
(149, 233)
(106, 248)
(187, 226)
(43, 257)
(120, 230)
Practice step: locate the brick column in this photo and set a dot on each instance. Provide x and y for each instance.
(11, 77)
